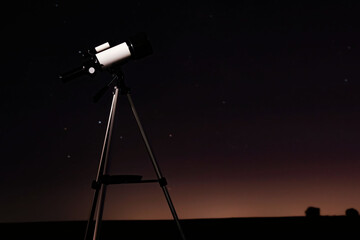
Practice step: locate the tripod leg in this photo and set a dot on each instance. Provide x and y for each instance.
(99, 214)
(102, 170)
(92, 213)
(156, 167)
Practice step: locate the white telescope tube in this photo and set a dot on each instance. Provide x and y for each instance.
(113, 55)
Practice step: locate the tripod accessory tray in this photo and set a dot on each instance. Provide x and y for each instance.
(124, 179)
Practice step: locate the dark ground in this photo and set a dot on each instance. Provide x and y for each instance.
(340, 227)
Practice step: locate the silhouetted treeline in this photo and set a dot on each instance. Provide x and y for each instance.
(315, 212)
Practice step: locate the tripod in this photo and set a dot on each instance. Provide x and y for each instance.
(103, 179)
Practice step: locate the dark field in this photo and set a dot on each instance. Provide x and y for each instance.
(322, 227)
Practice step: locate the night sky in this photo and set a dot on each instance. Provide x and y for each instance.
(252, 109)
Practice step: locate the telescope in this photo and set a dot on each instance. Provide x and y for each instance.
(108, 55)
(112, 57)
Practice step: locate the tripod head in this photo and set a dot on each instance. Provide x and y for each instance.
(118, 81)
